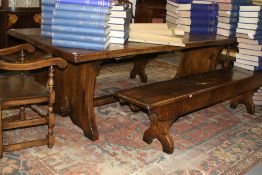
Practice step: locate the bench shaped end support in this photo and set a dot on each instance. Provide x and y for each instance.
(245, 99)
(160, 130)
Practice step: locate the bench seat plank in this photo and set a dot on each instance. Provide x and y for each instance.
(168, 100)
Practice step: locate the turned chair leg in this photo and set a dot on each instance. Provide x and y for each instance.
(51, 115)
(1, 135)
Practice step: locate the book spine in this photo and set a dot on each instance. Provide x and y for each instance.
(103, 3)
(203, 14)
(203, 30)
(183, 1)
(47, 34)
(46, 21)
(80, 15)
(82, 8)
(81, 38)
(205, 7)
(47, 8)
(48, 2)
(77, 44)
(201, 21)
(47, 15)
(79, 23)
(46, 27)
(80, 30)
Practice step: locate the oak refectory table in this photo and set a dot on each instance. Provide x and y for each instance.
(200, 54)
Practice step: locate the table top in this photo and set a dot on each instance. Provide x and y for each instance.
(33, 36)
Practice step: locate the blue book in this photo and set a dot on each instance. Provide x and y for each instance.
(46, 27)
(182, 1)
(80, 15)
(79, 23)
(46, 21)
(78, 44)
(102, 3)
(206, 22)
(82, 8)
(48, 2)
(47, 34)
(47, 8)
(81, 38)
(81, 30)
(204, 7)
(47, 15)
(203, 30)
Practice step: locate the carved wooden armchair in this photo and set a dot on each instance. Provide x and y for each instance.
(20, 90)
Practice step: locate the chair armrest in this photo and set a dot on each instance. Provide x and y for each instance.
(10, 50)
(33, 64)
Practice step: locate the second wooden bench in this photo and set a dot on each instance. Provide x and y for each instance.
(167, 101)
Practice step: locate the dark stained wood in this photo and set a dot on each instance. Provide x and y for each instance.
(34, 37)
(75, 84)
(11, 18)
(149, 10)
(167, 101)
(20, 89)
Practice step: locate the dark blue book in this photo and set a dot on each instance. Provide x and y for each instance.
(82, 8)
(203, 30)
(78, 44)
(81, 30)
(204, 7)
(79, 23)
(80, 15)
(102, 3)
(183, 1)
(79, 37)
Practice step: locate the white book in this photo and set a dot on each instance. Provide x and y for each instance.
(250, 8)
(244, 66)
(116, 20)
(247, 62)
(246, 31)
(250, 14)
(121, 14)
(118, 27)
(224, 25)
(250, 52)
(120, 7)
(257, 47)
(118, 40)
(117, 33)
(247, 26)
(248, 57)
(248, 20)
(248, 41)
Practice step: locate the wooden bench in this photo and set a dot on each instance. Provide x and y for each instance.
(168, 100)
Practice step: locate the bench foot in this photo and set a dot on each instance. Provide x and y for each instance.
(160, 130)
(139, 69)
(245, 99)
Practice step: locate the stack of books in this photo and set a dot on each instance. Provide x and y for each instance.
(199, 17)
(249, 37)
(228, 16)
(81, 24)
(171, 13)
(119, 22)
(47, 14)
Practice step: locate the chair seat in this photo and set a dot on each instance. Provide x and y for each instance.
(19, 87)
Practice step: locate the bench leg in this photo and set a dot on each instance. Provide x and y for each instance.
(161, 131)
(245, 99)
